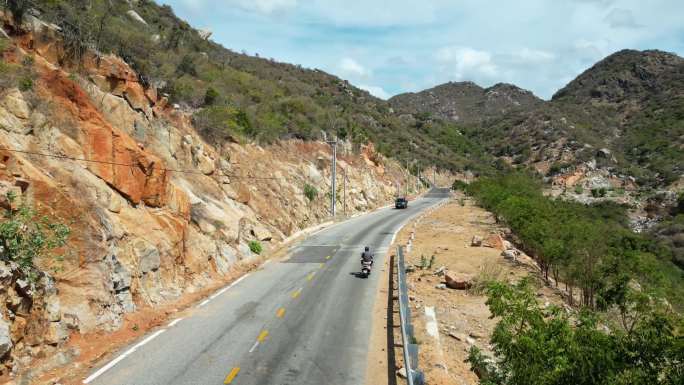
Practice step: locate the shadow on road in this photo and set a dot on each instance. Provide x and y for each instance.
(358, 274)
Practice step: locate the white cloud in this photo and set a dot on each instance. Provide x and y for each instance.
(261, 6)
(527, 55)
(464, 62)
(375, 91)
(349, 66)
(621, 18)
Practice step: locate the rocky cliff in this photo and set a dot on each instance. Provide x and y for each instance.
(465, 102)
(155, 212)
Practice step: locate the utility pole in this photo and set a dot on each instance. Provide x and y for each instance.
(333, 176)
(408, 177)
(345, 191)
(434, 177)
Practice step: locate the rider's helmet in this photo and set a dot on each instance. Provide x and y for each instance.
(367, 248)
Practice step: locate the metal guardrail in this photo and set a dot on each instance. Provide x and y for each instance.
(413, 375)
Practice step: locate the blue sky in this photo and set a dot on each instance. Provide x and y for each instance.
(390, 47)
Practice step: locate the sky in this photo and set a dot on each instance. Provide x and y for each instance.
(390, 47)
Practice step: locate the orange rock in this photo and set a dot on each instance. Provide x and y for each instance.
(135, 173)
(494, 241)
(244, 195)
(179, 202)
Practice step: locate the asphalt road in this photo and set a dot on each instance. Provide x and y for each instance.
(306, 320)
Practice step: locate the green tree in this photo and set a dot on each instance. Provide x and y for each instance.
(538, 346)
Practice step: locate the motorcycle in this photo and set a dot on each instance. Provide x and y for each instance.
(366, 268)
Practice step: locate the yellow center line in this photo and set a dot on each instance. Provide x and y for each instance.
(231, 376)
(262, 336)
(310, 276)
(297, 293)
(322, 265)
(280, 313)
(328, 257)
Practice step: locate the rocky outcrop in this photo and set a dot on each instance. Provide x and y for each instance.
(155, 211)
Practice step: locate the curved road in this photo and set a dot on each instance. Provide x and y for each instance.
(306, 320)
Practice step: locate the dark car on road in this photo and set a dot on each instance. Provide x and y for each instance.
(401, 203)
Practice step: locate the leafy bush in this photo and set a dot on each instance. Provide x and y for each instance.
(579, 189)
(26, 84)
(598, 192)
(26, 236)
(255, 247)
(310, 192)
(537, 346)
(459, 185)
(211, 96)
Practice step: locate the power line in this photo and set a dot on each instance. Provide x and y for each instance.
(65, 157)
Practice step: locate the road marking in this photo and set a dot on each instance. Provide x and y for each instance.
(206, 301)
(310, 276)
(118, 359)
(322, 265)
(261, 338)
(175, 322)
(280, 313)
(296, 293)
(328, 257)
(231, 376)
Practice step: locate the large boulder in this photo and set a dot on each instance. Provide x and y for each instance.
(5, 337)
(148, 257)
(495, 241)
(11, 123)
(458, 281)
(14, 102)
(261, 233)
(476, 241)
(136, 17)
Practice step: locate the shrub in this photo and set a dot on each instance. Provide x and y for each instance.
(579, 189)
(459, 185)
(310, 192)
(547, 346)
(26, 236)
(211, 96)
(25, 84)
(255, 247)
(598, 192)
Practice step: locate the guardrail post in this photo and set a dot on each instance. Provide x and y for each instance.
(413, 375)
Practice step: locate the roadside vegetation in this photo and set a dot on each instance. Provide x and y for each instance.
(625, 325)
(26, 236)
(589, 249)
(641, 343)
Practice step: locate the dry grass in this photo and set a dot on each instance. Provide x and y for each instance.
(490, 272)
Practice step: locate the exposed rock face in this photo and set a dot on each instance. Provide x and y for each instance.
(143, 235)
(5, 338)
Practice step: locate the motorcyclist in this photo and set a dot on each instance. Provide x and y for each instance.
(367, 256)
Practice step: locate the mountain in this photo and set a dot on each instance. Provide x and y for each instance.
(465, 102)
(626, 112)
(237, 97)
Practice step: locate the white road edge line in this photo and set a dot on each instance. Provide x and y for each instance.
(118, 359)
(206, 301)
(175, 322)
(223, 290)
